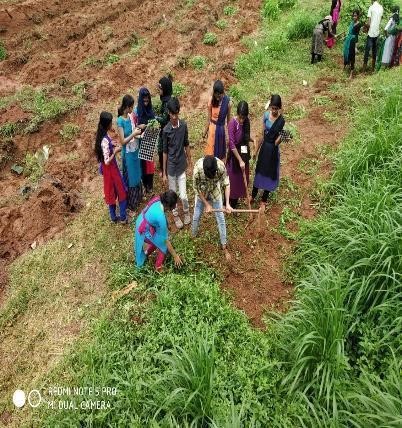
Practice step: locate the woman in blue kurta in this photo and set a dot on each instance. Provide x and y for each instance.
(129, 154)
(151, 231)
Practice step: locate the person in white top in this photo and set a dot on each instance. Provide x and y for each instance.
(374, 15)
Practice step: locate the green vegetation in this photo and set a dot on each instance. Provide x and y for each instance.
(210, 39)
(33, 167)
(69, 131)
(270, 9)
(3, 52)
(8, 130)
(221, 24)
(111, 59)
(302, 25)
(230, 10)
(179, 89)
(198, 62)
(174, 346)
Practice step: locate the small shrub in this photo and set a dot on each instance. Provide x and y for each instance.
(198, 62)
(33, 168)
(112, 59)
(270, 9)
(79, 89)
(221, 24)
(8, 130)
(3, 52)
(210, 39)
(178, 89)
(69, 131)
(301, 26)
(230, 10)
(286, 4)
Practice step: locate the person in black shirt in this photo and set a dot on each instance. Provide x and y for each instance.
(165, 88)
(176, 158)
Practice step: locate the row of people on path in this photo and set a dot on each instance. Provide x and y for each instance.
(385, 52)
(225, 167)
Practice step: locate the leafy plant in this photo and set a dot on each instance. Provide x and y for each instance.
(221, 24)
(286, 4)
(230, 10)
(179, 89)
(112, 59)
(69, 131)
(198, 62)
(33, 167)
(8, 130)
(210, 39)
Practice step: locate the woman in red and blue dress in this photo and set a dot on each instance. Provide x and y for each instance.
(113, 185)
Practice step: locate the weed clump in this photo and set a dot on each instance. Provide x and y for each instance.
(210, 39)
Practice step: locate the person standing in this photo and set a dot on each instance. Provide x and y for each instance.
(131, 163)
(113, 185)
(218, 113)
(349, 46)
(335, 13)
(238, 163)
(268, 162)
(391, 30)
(374, 15)
(317, 45)
(209, 177)
(145, 113)
(176, 158)
(151, 231)
(165, 89)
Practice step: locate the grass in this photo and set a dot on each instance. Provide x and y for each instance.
(179, 89)
(230, 10)
(176, 349)
(8, 130)
(69, 131)
(3, 52)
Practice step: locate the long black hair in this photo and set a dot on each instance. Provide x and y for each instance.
(105, 119)
(169, 199)
(166, 85)
(218, 88)
(242, 110)
(275, 101)
(127, 101)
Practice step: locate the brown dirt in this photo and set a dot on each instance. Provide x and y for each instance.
(49, 43)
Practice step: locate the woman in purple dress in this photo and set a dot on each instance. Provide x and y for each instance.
(238, 162)
(267, 169)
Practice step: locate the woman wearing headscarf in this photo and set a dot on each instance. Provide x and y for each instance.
(145, 113)
(317, 46)
(391, 29)
(218, 114)
(165, 89)
(268, 162)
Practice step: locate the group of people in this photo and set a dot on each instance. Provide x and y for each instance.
(384, 52)
(220, 178)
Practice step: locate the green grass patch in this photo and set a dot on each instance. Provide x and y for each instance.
(8, 130)
(230, 10)
(69, 131)
(179, 89)
(3, 52)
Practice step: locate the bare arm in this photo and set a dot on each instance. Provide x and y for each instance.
(123, 141)
(177, 260)
(209, 120)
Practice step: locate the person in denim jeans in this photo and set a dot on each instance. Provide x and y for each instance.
(209, 177)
